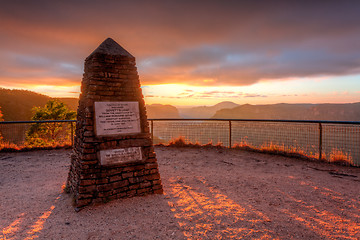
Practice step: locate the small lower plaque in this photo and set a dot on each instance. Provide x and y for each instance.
(120, 155)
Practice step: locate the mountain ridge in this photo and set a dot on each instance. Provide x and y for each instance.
(162, 111)
(205, 111)
(287, 111)
(16, 105)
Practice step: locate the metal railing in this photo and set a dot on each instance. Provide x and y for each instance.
(23, 133)
(333, 141)
(324, 140)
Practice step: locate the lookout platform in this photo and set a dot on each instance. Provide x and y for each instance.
(208, 194)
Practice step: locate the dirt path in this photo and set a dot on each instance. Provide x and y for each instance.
(209, 194)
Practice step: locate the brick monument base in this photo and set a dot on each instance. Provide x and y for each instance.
(113, 154)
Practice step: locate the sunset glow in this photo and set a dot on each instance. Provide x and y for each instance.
(201, 212)
(317, 90)
(248, 53)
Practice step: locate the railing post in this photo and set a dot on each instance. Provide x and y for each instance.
(72, 134)
(320, 141)
(230, 143)
(152, 129)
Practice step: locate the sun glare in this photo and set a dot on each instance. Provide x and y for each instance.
(290, 90)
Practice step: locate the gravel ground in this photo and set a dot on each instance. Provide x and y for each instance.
(209, 194)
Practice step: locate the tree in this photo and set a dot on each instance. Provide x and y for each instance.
(50, 134)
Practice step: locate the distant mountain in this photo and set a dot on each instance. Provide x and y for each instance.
(162, 111)
(16, 105)
(335, 112)
(205, 111)
(72, 103)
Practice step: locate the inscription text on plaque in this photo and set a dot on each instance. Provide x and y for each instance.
(120, 155)
(116, 118)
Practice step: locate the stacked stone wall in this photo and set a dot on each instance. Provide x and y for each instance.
(110, 78)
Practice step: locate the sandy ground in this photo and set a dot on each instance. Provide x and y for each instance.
(209, 194)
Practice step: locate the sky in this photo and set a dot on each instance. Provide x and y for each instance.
(190, 52)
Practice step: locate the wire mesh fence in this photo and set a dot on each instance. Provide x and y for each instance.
(36, 134)
(341, 142)
(14, 133)
(288, 137)
(324, 140)
(201, 132)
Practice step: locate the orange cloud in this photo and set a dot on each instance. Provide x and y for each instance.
(189, 42)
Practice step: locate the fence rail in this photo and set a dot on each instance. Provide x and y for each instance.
(29, 134)
(324, 140)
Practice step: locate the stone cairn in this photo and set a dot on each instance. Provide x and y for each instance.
(113, 154)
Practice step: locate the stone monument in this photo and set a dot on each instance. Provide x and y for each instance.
(113, 154)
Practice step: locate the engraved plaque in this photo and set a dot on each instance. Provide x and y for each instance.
(120, 155)
(117, 118)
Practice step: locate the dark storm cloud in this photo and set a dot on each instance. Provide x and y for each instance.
(221, 42)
